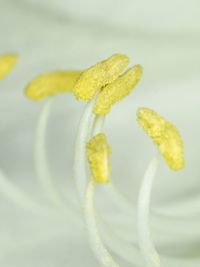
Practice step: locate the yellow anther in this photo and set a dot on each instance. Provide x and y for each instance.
(117, 90)
(7, 62)
(165, 135)
(51, 83)
(99, 75)
(98, 152)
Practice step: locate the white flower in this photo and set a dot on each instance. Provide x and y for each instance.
(50, 35)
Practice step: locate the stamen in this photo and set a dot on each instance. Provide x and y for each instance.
(9, 189)
(165, 135)
(117, 90)
(99, 75)
(51, 83)
(97, 245)
(98, 152)
(7, 62)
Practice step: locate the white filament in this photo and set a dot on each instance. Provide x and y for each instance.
(96, 243)
(145, 241)
(80, 175)
(42, 167)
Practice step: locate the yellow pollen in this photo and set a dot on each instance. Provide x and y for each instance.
(117, 90)
(99, 75)
(51, 83)
(7, 62)
(98, 152)
(165, 135)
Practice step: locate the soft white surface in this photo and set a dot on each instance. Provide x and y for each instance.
(163, 36)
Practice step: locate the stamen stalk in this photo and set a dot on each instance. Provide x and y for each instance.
(145, 242)
(97, 245)
(41, 163)
(80, 175)
(42, 167)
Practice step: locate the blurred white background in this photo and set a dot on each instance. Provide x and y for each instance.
(163, 36)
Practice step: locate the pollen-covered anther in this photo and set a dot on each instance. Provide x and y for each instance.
(51, 83)
(7, 62)
(165, 135)
(99, 75)
(117, 90)
(98, 152)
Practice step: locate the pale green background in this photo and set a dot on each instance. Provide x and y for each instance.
(163, 36)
